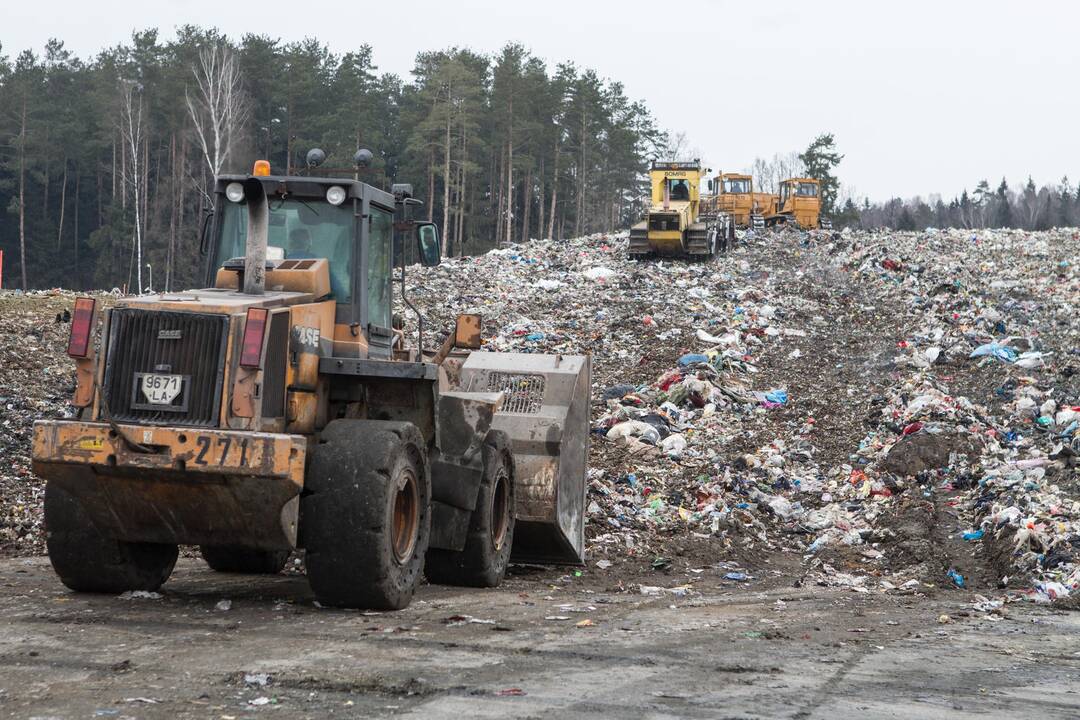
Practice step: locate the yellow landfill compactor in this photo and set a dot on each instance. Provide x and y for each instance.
(677, 224)
(736, 197)
(282, 407)
(799, 203)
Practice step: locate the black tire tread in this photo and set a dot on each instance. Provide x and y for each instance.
(478, 564)
(88, 561)
(343, 514)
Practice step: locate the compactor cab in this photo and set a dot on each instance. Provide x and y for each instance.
(675, 224)
(799, 203)
(284, 407)
(737, 198)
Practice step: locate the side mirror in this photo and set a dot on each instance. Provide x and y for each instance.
(710, 185)
(427, 243)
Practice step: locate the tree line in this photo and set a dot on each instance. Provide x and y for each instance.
(106, 164)
(1027, 208)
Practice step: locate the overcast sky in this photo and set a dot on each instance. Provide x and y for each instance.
(923, 97)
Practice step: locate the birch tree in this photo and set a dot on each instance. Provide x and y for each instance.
(217, 105)
(131, 128)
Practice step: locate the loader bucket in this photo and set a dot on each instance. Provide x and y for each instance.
(545, 412)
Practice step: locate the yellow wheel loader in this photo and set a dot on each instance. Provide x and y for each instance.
(799, 204)
(678, 223)
(280, 408)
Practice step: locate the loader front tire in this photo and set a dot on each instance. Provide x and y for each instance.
(88, 561)
(486, 555)
(365, 515)
(224, 558)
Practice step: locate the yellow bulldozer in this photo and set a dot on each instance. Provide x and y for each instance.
(679, 222)
(736, 196)
(799, 204)
(284, 407)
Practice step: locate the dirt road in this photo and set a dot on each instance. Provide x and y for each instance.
(761, 649)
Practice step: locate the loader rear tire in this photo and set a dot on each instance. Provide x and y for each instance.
(224, 558)
(486, 555)
(89, 561)
(365, 514)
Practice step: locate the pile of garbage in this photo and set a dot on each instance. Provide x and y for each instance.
(900, 409)
(997, 313)
(36, 380)
(697, 432)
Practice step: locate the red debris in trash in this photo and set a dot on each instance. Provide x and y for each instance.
(913, 428)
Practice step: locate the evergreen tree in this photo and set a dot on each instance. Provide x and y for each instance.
(821, 159)
(1003, 215)
(1064, 215)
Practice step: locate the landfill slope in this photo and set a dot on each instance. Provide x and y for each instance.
(891, 412)
(896, 410)
(37, 380)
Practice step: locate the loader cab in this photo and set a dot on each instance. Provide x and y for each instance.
(800, 200)
(735, 184)
(799, 191)
(348, 223)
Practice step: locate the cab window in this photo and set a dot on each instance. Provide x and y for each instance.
(678, 189)
(737, 186)
(807, 190)
(299, 230)
(380, 237)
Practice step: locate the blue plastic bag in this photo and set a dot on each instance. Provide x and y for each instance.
(994, 349)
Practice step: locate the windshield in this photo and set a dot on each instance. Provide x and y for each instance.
(678, 189)
(301, 230)
(737, 186)
(807, 189)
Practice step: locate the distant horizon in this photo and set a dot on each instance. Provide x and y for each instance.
(922, 102)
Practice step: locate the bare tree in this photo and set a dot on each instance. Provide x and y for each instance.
(768, 174)
(217, 105)
(763, 176)
(675, 147)
(788, 166)
(131, 128)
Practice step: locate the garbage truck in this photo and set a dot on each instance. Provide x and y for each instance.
(284, 406)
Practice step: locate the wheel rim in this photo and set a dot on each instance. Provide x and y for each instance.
(406, 524)
(500, 510)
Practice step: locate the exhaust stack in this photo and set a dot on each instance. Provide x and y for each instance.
(257, 228)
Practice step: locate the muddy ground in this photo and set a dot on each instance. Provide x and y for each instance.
(540, 645)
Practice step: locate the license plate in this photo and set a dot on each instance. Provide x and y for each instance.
(161, 389)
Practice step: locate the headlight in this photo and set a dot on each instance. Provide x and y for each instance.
(335, 195)
(234, 191)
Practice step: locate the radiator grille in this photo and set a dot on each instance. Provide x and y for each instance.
(663, 222)
(523, 394)
(191, 345)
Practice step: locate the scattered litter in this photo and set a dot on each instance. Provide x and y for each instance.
(140, 595)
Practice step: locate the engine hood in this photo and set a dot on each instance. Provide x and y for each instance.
(215, 300)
